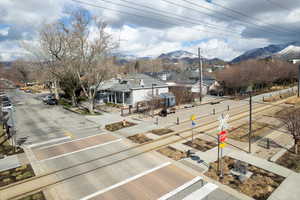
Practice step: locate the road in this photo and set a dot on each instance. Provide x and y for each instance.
(118, 162)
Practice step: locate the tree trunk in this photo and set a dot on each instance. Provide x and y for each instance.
(91, 106)
(74, 99)
(56, 90)
(296, 146)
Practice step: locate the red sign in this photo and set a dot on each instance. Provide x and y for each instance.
(223, 138)
(223, 133)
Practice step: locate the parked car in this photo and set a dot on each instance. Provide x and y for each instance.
(48, 97)
(6, 106)
(51, 102)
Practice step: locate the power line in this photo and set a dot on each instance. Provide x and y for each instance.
(279, 5)
(224, 14)
(151, 18)
(174, 16)
(146, 17)
(247, 16)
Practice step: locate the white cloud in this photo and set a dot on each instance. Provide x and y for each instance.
(144, 37)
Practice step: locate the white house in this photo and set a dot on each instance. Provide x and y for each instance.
(131, 89)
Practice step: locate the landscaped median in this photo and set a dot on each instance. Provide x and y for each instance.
(259, 185)
(118, 125)
(16, 174)
(36, 196)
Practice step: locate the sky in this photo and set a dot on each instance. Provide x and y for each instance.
(221, 28)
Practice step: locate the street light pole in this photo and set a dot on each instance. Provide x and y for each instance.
(200, 75)
(298, 81)
(250, 120)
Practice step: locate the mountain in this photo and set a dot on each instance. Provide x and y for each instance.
(180, 54)
(260, 53)
(290, 52)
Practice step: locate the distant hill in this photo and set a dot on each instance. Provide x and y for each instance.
(281, 51)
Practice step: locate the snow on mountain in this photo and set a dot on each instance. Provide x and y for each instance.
(180, 54)
(259, 53)
(289, 52)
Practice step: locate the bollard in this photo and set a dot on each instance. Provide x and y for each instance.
(214, 111)
(268, 143)
(263, 98)
(228, 107)
(156, 120)
(177, 121)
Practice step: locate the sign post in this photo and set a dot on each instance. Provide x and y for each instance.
(193, 118)
(222, 137)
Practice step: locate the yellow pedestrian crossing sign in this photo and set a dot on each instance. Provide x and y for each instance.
(222, 145)
(193, 117)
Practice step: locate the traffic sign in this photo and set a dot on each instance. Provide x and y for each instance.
(223, 122)
(223, 138)
(193, 117)
(193, 123)
(223, 133)
(222, 145)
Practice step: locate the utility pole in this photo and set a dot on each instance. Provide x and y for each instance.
(200, 75)
(250, 120)
(298, 81)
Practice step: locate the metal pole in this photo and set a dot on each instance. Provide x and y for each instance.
(250, 121)
(218, 168)
(193, 135)
(298, 81)
(152, 99)
(200, 75)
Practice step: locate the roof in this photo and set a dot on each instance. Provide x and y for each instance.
(130, 82)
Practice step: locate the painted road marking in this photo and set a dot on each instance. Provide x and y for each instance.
(177, 190)
(71, 141)
(202, 192)
(70, 153)
(49, 141)
(125, 181)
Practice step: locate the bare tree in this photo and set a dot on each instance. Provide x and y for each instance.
(291, 119)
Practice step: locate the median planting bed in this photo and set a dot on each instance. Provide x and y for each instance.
(36, 196)
(17, 174)
(290, 160)
(259, 185)
(172, 153)
(201, 145)
(240, 133)
(161, 131)
(118, 125)
(139, 138)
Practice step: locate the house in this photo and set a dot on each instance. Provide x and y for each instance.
(295, 61)
(130, 89)
(188, 78)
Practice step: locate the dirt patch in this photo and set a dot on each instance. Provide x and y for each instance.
(259, 186)
(118, 125)
(172, 153)
(290, 160)
(7, 149)
(278, 97)
(240, 133)
(17, 174)
(201, 145)
(139, 138)
(161, 131)
(36, 196)
(293, 101)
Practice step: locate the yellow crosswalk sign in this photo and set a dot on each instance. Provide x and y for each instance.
(193, 117)
(222, 145)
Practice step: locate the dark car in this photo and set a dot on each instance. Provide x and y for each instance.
(51, 102)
